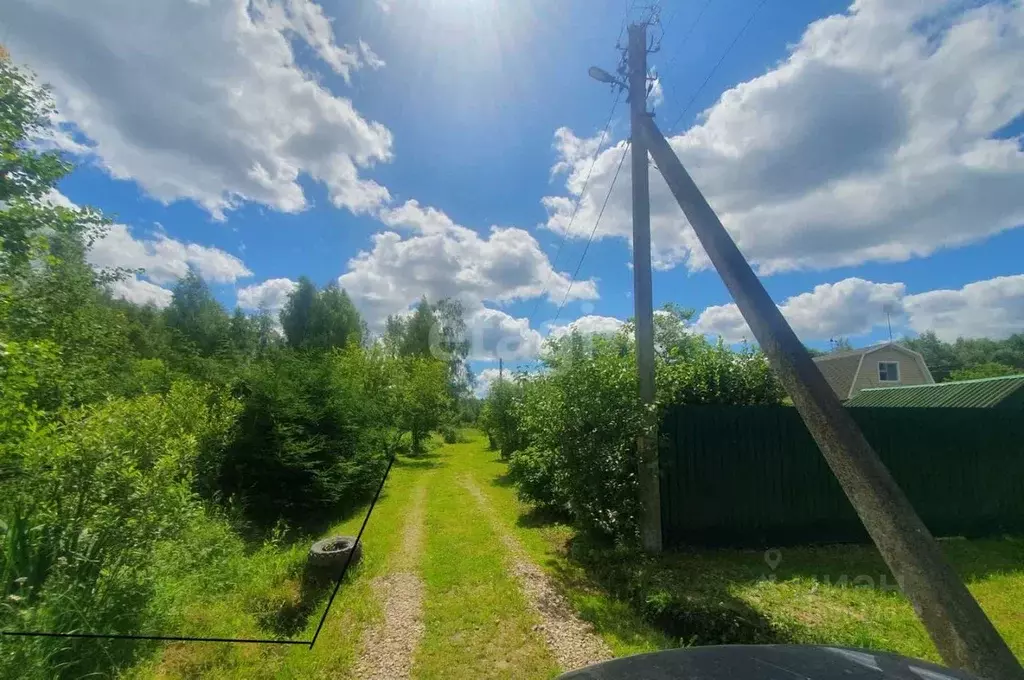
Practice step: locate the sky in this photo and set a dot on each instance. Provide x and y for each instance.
(867, 158)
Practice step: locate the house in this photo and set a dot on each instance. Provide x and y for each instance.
(998, 393)
(883, 365)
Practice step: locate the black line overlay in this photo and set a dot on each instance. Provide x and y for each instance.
(359, 537)
(257, 641)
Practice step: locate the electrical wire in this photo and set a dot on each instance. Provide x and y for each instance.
(605, 134)
(593, 231)
(686, 36)
(715, 69)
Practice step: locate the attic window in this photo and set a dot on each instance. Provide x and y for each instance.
(888, 371)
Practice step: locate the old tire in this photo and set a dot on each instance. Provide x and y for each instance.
(332, 553)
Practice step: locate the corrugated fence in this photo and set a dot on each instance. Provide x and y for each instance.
(752, 475)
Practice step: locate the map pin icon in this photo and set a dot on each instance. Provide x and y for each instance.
(772, 558)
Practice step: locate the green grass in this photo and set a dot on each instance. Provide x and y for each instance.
(262, 586)
(476, 620)
(837, 594)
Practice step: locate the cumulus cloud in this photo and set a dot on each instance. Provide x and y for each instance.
(141, 292)
(271, 295)
(983, 309)
(165, 259)
(993, 308)
(873, 141)
(205, 100)
(589, 325)
(484, 380)
(438, 258)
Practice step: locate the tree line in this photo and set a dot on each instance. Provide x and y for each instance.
(136, 440)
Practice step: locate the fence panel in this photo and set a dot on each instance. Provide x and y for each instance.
(752, 475)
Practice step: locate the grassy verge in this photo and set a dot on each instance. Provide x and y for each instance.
(213, 587)
(546, 540)
(838, 594)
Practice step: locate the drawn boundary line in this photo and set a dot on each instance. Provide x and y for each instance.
(258, 641)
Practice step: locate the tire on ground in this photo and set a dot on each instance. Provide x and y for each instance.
(330, 554)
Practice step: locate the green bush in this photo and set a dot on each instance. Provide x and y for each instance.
(90, 498)
(302, 452)
(570, 432)
(535, 474)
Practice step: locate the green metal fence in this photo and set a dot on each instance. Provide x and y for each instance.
(752, 475)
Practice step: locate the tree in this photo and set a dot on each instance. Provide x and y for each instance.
(320, 320)
(336, 320)
(243, 334)
(986, 370)
(841, 344)
(26, 175)
(416, 331)
(199, 321)
(297, 315)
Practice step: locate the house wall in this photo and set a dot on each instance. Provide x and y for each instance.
(910, 370)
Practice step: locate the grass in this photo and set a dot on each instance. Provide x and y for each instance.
(257, 592)
(476, 620)
(475, 615)
(836, 594)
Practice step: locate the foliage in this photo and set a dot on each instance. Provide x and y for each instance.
(437, 331)
(990, 369)
(499, 418)
(570, 432)
(945, 358)
(301, 451)
(120, 442)
(86, 505)
(320, 319)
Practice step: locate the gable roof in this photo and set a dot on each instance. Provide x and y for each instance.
(1005, 392)
(841, 368)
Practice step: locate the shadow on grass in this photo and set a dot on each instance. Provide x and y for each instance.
(503, 480)
(687, 594)
(539, 517)
(424, 461)
(688, 603)
(286, 611)
(972, 559)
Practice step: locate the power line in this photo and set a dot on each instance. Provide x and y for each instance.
(686, 36)
(593, 231)
(715, 69)
(579, 199)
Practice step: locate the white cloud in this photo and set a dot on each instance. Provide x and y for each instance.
(983, 309)
(205, 100)
(484, 379)
(272, 294)
(589, 325)
(141, 292)
(497, 335)
(656, 97)
(165, 259)
(442, 259)
(993, 308)
(870, 142)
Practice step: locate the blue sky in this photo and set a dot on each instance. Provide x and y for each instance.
(872, 160)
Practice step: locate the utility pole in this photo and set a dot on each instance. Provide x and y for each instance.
(501, 369)
(647, 444)
(959, 628)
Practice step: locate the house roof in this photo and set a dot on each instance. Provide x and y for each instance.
(1005, 392)
(840, 368)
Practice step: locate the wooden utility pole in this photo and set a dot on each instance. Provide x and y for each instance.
(959, 628)
(647, 444)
